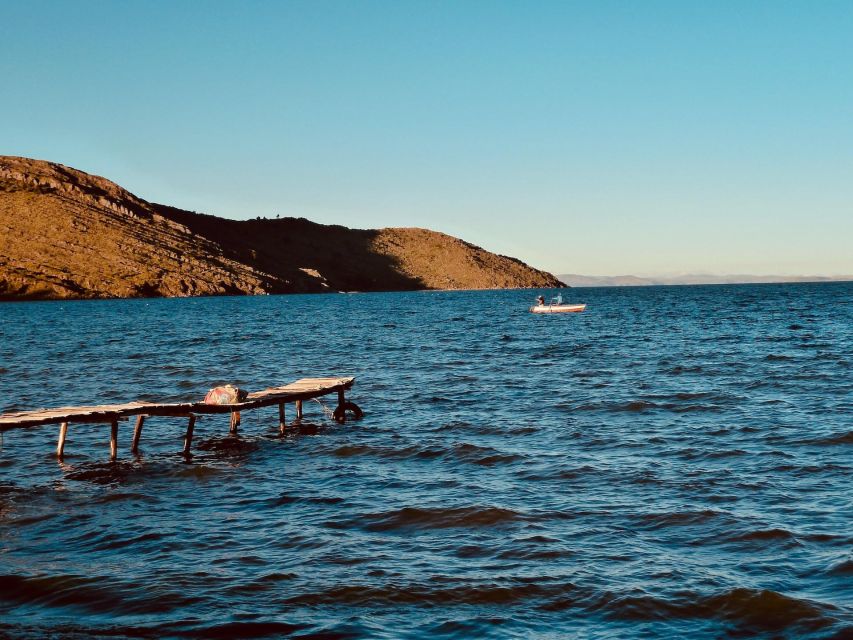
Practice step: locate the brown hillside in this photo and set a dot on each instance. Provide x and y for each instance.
(67, 234)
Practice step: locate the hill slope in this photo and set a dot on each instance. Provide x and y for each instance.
(68, 234)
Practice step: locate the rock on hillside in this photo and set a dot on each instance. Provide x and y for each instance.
(68, 234)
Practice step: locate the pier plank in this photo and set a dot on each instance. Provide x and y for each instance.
(304, 389)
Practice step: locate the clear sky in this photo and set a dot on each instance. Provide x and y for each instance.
(583, 137)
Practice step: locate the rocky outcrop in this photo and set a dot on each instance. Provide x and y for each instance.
(68, 234)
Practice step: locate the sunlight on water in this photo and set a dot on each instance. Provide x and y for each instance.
(673, 462)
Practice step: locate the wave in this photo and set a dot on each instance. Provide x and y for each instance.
(494, 593)
(676, 408)
(95, 594)
(120, 496)
(437, 518)
(680, 370)
(680, 395)
(591, 373)
(744, 609)
(631, 406)
(115, 541)
(841, 438)
(747, 610)
(765, 535)
(394, 453)
(246, 630)
(102, 472)
(483, 456)
(548, 555)
(809, 469)
(725, 453)
(574, 473)
(766, 610)
(463, 452)
(842, 568)
(639, 406)
(708, 396)
(677, 518)
(489, 428)
(286, 499)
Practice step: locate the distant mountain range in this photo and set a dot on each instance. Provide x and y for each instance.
(68, 234)
(575, 280)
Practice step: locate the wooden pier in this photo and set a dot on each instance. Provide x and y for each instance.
(295, 393)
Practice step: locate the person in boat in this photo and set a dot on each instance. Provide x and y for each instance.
(540, 300)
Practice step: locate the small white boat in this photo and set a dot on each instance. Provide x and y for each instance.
(555, 306)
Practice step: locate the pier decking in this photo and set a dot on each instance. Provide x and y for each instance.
(295, 392)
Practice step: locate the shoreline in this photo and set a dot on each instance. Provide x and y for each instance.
(9, 300)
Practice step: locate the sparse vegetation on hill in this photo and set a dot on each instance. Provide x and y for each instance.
(68, 234)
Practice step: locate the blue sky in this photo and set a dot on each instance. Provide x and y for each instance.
(582, 137)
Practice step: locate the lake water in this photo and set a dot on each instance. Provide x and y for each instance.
(673, 462)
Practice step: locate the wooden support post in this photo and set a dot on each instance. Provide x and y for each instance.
(282, 425)
(235, 421)
(60, 445)
(114, 439)
(299, 409)
(137, 433)
(188, 439)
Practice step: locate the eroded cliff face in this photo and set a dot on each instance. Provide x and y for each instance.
(68, 234)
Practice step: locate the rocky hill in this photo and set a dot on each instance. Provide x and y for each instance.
(68, 234)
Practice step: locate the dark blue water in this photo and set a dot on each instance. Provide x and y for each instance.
(674, 462)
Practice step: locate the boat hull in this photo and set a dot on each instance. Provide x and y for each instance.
(557, 308)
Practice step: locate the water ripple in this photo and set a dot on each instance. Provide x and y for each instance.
(645, 469)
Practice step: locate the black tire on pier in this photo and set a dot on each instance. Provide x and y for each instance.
(340, 413)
